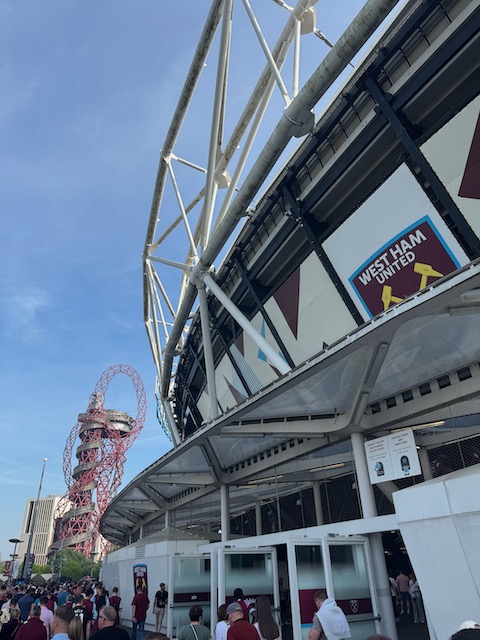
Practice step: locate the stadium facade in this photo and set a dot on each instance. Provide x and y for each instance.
(325, 396)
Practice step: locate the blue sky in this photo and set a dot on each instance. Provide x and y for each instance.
(88, 91)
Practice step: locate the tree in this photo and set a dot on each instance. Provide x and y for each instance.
(72, 564)
(41, 568)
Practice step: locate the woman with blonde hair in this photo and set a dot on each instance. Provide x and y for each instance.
(265, 623)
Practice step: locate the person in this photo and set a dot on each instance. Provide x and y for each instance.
(115, 601)
(222, 626)
(403, 587)
(240, 629)
(87, 602)
(247, 605)
(81, 612)
(107, 628)
(4, 616)
(395, 597)
(62, 595)
(34, 629)
(416, 599)
(64, 626)
(19, 593)
(9, 628)
(78, 590)
(24, 605)
(466, 634)
(195, 630)
(46, 616)
(99, 600)
(378, 636)
(140, 605)
(51, 601)
(469, 624)
(8, 600)
(265, 624)
(161, 598)
(329, 622)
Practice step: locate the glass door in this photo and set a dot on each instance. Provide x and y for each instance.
(190, 585)
(342, 567)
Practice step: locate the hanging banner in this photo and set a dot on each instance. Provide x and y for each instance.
(392, 457)
(31, 562)
(140, 577)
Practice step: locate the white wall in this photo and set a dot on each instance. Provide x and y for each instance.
(440, 524)
(117, 571)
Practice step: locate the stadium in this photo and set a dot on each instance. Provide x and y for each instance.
(318, 374)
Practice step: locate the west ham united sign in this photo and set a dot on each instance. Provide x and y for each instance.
(409, 262)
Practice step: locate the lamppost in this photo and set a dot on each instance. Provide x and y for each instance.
(13, 556)
(32, 526)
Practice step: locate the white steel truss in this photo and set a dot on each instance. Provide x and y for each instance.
(211, 213)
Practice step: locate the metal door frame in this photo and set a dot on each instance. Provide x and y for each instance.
(325, 542)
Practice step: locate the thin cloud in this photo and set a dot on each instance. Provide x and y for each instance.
(22, 309)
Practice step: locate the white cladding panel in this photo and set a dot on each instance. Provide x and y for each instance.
(439, 521)
(323, 317)
(392, 246)
(230, 390)
(308, 314)
(448, 152)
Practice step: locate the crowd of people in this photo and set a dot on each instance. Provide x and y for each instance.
(75, 611)
(87, 611)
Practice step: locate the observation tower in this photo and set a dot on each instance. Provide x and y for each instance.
(105, 435)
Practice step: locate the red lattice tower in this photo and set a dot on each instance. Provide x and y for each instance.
(105, 435)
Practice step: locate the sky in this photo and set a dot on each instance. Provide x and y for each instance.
(88, 92)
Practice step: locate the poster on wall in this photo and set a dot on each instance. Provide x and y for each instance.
(140, 577)
(395, 244)
(392, 457)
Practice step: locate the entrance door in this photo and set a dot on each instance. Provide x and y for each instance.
(190, 584)
(252, 570)
(342, 566)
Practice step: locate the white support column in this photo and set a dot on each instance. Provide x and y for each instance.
(221, 574)
(367, 501)
(275, 359)
(317, 500)
(214, 591)
(425, 463)
(207, 350)
(171, 587)
(327, 567)
(225, 512)
(167, 519)
(258, 518)
(379, 569)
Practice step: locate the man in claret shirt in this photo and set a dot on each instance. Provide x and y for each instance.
(140, 605)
